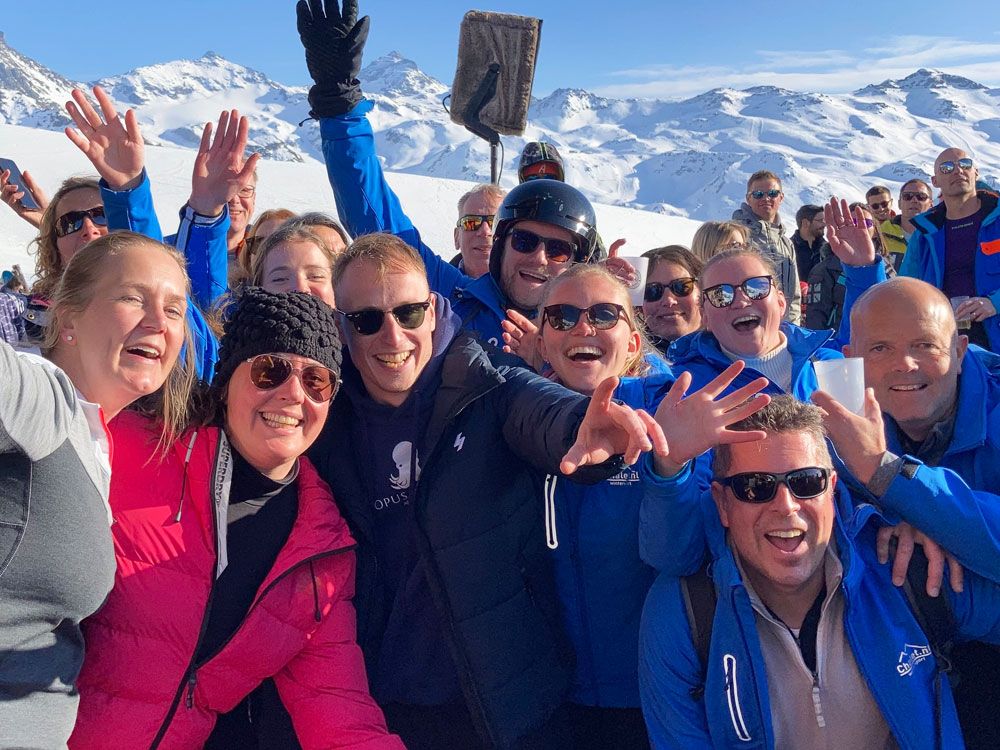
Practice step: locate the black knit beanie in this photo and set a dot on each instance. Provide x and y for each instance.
(262, 322)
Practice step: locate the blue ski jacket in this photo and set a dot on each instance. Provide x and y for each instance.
(600, 579)
(366, 204)
(734, 711)
(925, 255)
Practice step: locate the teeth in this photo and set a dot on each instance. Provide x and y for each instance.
(394, 360)
(905, 387)
(790, 534)
(578, 350)
(146, 351)
(541, 278)
(279, 420)
(746, 319)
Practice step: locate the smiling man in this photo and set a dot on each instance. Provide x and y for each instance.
(808, 633)
(437, 454)
(760, 213)
(956, 246)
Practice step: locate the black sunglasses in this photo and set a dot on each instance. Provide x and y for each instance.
(603, 315)
(472, 222)
(369, 321)
(755, 288)
(947, 167)
(680, 287)
(268, 371)
(758, 194)
(761, 486)
(558, 251)
(880, 205)
(72, 221)
(908, 196)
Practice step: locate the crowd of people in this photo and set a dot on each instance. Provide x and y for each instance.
(281, 480)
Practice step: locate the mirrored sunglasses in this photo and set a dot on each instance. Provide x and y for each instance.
(759, 194)
(269, 371)
(755, 288)
(472, 222)
(762, 486)
(947, 167)
(72, 221)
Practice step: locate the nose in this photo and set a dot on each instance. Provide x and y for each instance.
(392, 332)
(300, 284)
(905, 362)
(292, 390)
(784, 502)
(90, 231)
(155, 318)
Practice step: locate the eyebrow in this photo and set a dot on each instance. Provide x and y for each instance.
(308, 268)
(148, 290)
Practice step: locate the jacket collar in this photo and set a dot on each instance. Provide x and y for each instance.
(933, 220)
(802, 344)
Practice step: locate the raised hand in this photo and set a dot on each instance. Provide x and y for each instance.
(609, 429)
(619, 267)
(11, 195)
(116, 151)
(859, 440)
(220, 171)
(847, 234)
(334, 40)
(520, 337)
(694, 424)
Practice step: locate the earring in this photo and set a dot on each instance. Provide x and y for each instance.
(69, 336)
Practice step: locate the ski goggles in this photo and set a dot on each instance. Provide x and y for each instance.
(526, 242)
(72, 221)
(761, 486)
(755, 288)
(947, 167)
(602, 316)
(369, 322)
(269, 371)
(472, 222)
(680, 287)
(759, 194)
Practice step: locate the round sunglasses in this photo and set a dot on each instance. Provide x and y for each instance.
(269, 371)
(755, 288)
(603, 315)
(679, 287)
(762, 486)
(369, 321)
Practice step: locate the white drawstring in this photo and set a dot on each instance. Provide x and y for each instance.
(551, 538)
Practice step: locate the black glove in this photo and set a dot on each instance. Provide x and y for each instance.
(334, 41)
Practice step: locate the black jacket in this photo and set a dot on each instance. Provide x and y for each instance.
(495, 430)
(808, 255)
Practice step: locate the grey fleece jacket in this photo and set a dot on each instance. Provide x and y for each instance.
(57, 563)
(771, 240)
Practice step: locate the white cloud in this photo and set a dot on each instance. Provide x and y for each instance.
(828, 71)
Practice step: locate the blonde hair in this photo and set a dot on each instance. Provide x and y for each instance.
(740, 252)
(75, 292)
(706, 240)
(291, 231)
(48, 263)
(636, 365)
(486, 188)
(245, 258)
(386, 252)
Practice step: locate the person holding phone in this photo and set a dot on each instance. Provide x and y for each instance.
(19, 191)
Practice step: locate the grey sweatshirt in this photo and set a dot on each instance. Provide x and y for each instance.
(771, 240)
(57, 563)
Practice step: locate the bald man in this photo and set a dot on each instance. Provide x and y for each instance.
(956, 246)
(932, 456)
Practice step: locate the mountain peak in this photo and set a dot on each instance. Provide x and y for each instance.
(394, 75)
(923, 79)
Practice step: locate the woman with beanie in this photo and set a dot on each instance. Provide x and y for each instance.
(234, 565)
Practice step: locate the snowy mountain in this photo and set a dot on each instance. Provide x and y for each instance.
(685, 158)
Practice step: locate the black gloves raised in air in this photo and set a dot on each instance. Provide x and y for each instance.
(334, 40)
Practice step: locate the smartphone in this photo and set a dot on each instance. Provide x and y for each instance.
(27, 200)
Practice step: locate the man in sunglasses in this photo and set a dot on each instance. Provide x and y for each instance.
(810, 644)
(956, 246)
(564, 228)
(810, 247)
(437, 455)
(760, 213)
(477, 211)
(879, 200)
(914, 198)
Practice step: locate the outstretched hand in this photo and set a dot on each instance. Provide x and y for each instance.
(694, 424)
(848, 234)
(11, 195)
(220, 171)
(610, 429)
(520, 337)
(116, 151)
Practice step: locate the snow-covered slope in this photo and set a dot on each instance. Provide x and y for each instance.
(688, 158)
(301, 187)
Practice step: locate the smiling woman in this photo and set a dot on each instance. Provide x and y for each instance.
(234, 565)
(115, 335)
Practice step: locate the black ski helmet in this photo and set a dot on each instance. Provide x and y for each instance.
(551, 202)
(539, 151)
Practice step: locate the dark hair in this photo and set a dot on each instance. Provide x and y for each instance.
(878, 190)
(784, 414)
(807, 213)
(763, 174)
(676, 254)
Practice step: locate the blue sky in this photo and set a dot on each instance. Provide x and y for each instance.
(624, 48)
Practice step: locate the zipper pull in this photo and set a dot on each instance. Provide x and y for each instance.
(817, 702)
(192, 681)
